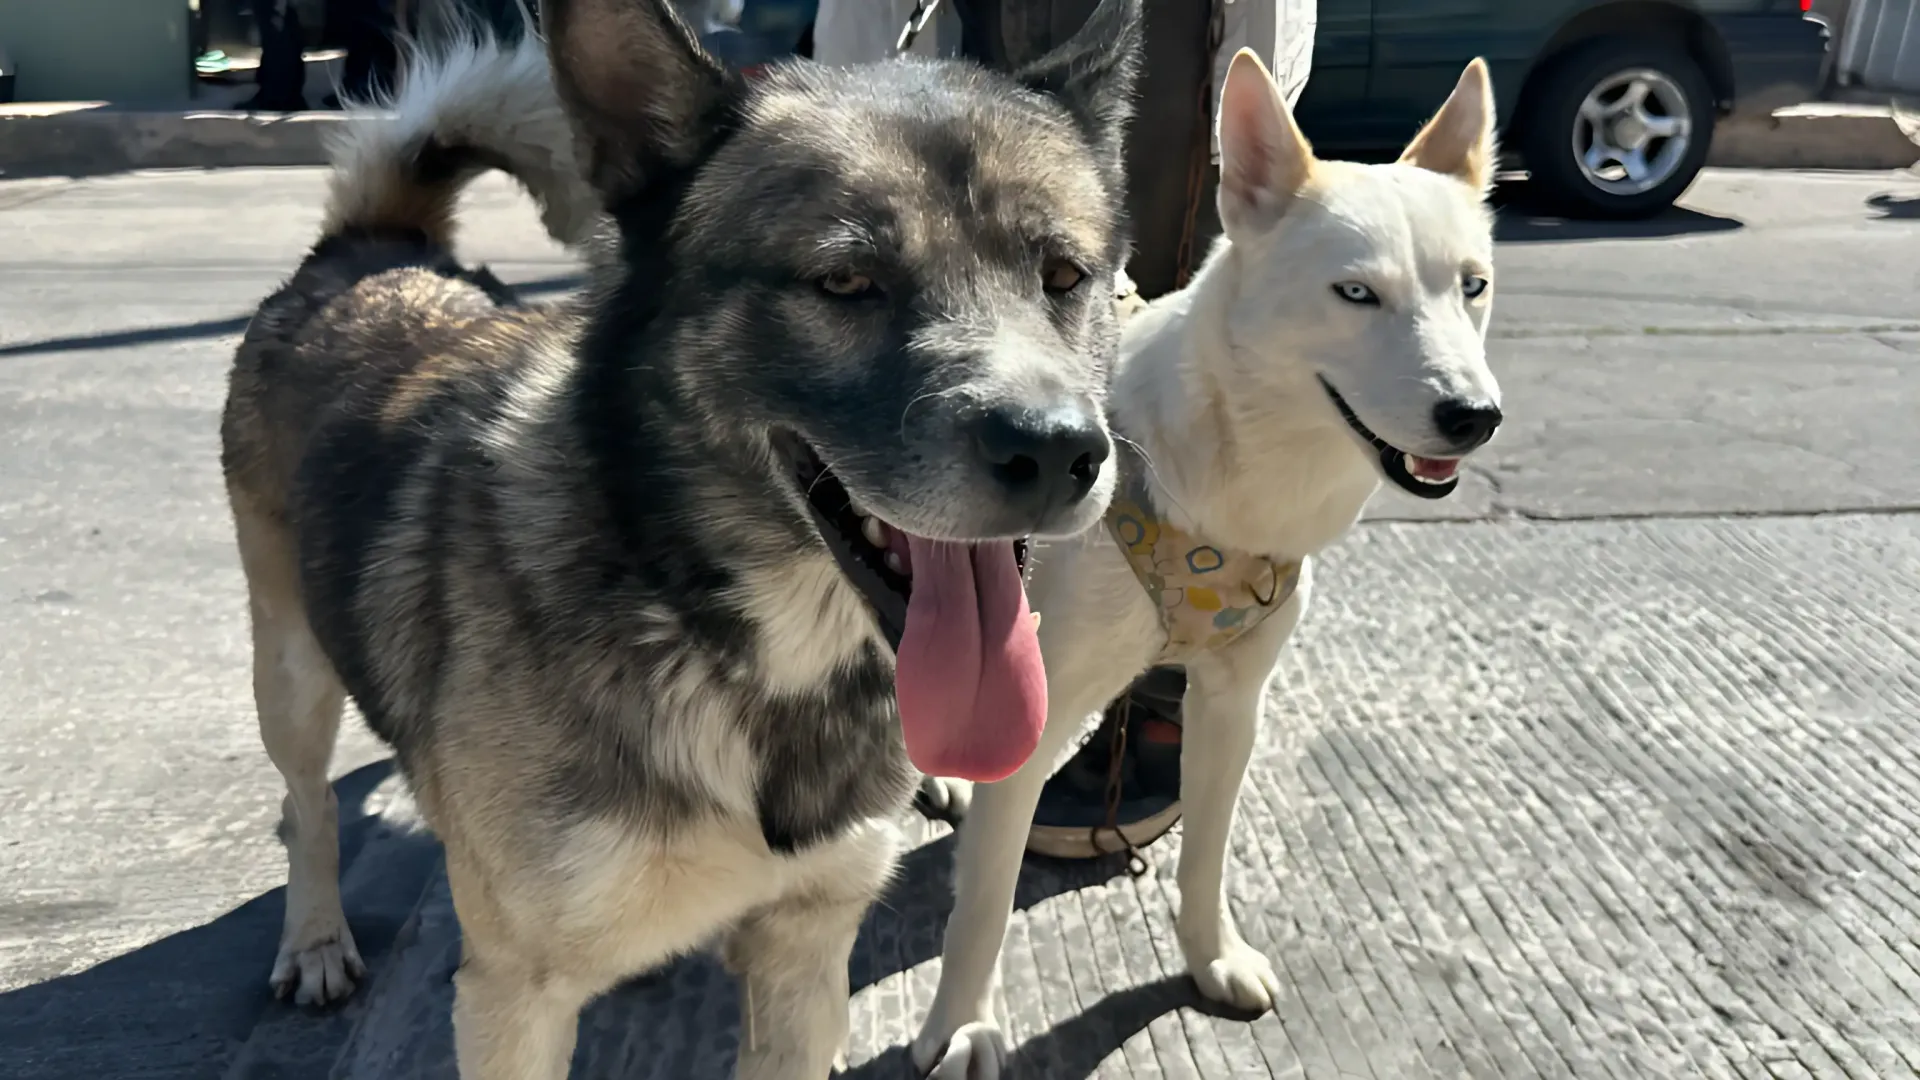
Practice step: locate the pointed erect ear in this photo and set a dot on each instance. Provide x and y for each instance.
(1459, 140)
(1264, 159)
(1093, 73)
(641, 93)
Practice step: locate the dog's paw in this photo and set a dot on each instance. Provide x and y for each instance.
(976, 1052)
(318, 967)
(944, 799)
(1240, 977)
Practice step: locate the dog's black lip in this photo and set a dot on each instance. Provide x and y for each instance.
(838, 524)
(1393, 460)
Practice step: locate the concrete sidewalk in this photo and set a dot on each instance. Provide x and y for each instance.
(1599, 799)
(91, 138)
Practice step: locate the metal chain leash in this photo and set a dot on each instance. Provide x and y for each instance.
(1203, 147)
(1136, 862)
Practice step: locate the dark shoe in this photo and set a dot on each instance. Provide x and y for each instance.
(1074, 819)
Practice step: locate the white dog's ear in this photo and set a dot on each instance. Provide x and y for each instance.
(1264, 159)
(1459, 140)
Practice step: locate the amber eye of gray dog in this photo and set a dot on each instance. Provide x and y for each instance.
(848, 285)
(1062, 276)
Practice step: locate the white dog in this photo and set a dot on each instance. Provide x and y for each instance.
(1336, 334)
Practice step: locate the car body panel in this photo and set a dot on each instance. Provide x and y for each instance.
(1413, 51)
(1776, 62)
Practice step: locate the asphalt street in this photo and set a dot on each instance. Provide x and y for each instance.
(1604, 767)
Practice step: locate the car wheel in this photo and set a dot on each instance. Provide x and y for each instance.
(1618, 128)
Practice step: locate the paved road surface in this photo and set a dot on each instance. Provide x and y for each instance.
(1609, 775)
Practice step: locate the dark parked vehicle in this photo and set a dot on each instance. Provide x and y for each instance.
(1610, 104)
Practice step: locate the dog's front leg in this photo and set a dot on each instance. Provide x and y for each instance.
(961, 1039)
(1226, 694)
(513, 1021)
(792, 964)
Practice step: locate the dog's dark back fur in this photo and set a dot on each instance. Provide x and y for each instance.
(550, 551)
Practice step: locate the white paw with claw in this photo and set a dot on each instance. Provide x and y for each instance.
(318, 965)
(1239, 976)
(976, 1052)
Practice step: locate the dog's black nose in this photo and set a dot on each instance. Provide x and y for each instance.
(1466, 424)
(1047, 457)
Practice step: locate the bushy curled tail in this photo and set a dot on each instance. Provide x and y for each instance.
(466, 103)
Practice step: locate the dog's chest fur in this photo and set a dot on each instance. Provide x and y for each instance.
(492, 612)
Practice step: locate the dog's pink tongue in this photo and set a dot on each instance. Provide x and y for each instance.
(973, 693)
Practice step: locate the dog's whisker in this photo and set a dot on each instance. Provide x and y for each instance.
(1153, 470)
(814, 483)
(917, 399)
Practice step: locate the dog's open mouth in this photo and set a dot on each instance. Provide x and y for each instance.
(1428, 478)
(967, 670)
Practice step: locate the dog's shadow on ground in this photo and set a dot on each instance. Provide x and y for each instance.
(904, 929)
(1074, 1049)
(196, 1002)
(1522, 219)
(177, 1006)
(1891, 207)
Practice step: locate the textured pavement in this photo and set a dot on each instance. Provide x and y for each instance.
(1628, 799)
(1612, 775)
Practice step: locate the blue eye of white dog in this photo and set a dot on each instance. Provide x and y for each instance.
(1355, 293)
(1473, 285)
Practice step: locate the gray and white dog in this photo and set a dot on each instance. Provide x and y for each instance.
(630, 583)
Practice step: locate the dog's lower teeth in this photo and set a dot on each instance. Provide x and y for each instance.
(875, 532)
(893, 563)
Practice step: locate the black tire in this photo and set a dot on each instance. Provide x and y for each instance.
(1547, 137)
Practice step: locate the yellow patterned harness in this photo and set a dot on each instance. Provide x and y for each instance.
(1207, 596)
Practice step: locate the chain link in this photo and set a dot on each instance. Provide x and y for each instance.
(1202, 159)
(1116, 762)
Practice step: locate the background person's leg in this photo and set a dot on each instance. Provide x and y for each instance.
(1166, 195)
(282, 75)
(373, 57)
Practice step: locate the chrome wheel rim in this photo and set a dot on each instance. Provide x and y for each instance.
(1632, 131)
